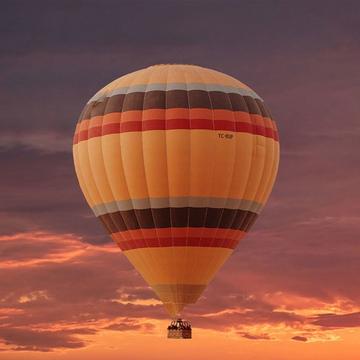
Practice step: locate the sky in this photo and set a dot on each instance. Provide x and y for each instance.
(292, 285)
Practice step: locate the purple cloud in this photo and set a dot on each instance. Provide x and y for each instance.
(338, 321)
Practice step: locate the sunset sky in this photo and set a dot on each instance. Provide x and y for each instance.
(292, 288)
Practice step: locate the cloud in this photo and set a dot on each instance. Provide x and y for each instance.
(338, 320)
(50, 142)
(43, 194)
(299, 338)
(238, 319)
(33, 340)
(255, 336)
(36, 247)
(63, 281)
(130, 325)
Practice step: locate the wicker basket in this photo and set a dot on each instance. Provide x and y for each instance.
(179, 329)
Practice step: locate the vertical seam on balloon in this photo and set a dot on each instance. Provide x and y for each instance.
(168, 177)
(143, 157)
(195, 262)
(150, 254)
(267, 181)
(80, 175)
(275, 145)
(255, 143)
(213, 162)
(105, 99)
(274, 171)
(138, 252)
(189, 180)
(91, 174)
(232, 171)
(119, 231)
(127, 190)
(250, 167)
(85, 182)
(214, 258)
(106, 176)
(252, 220)
(84, 178)
(239, 199)
(78, 171)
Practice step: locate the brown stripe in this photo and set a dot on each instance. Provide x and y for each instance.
(178, 217)
(174, 99)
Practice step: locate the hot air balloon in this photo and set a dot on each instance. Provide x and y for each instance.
(177, 162)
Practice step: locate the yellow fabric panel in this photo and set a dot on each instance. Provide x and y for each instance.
(175, 297)
(178, 161)
(155, 161)
(169, 264)
(114, 166)
(244, 149)
(173, 267)
(224, 152)
(267, 170)
(100, 174)
(149, 76)
(80, 176)
(197, 162)
(159, 162)
(133, 164)
(85, 168)
(179, 293)
(191, 74)
(274, 171)
(201, 162)
(257, 167)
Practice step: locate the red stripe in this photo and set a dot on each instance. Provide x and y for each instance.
(110, 129)
(206, 124)
(83, 135)
(129, 126)
(174, 124)
(225, 125)
(167, 242)
(180, 232)
(94, 132)
(153, 125)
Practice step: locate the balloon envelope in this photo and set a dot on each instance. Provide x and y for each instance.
(176, 161)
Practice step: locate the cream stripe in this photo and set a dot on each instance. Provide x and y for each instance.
(183, 201)
(176, 86)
